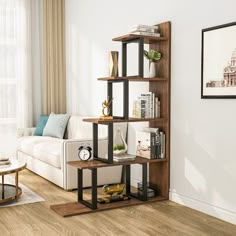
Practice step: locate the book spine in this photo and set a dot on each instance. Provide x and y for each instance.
(143, 108)
(150, 130)
(159, 110)
(146, 34)
(146, 97)
(137, 109)
(141, 29)
(162, 145)
(156, 107)
(153, 105)
(153, 144)
(158, 144)
(145, 27)
(150, 106)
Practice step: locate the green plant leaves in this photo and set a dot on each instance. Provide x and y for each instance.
(152, 55)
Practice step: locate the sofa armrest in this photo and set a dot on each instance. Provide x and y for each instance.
(25, 132)
(71, 146)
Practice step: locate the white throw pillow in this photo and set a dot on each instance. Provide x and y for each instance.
(56, 125)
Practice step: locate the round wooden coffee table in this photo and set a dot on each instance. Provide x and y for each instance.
(9, 192)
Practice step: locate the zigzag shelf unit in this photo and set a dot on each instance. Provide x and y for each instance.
(158, 168)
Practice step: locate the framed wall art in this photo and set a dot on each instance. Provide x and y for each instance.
(219, 62)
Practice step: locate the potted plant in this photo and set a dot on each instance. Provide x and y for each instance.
(153, 56)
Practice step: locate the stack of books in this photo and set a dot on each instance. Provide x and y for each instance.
(147, 106)
(124, 157)
(150, 143)
(145, 30)
(150, 192)
(4, 161)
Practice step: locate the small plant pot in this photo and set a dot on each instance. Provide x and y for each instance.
(152, 70)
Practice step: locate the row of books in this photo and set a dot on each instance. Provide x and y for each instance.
(150, 143)
(146, 30)
(4, 161)
(147, 106)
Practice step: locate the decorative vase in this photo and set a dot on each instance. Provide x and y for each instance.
(152, 70)
(113, 64)
(120, 147)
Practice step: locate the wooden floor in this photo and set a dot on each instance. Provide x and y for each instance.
(160, 218)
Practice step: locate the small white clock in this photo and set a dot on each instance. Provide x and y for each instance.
(85, 153)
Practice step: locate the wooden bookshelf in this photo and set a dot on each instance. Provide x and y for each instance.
(76, 208)
(104, 121)
(147, 39)
(158, 168)
(98, 164)
(133, 78)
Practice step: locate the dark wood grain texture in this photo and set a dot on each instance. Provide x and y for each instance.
(133, 78)
(75, 208)
(147, 39)
(99, 164)
(159, 173)
(101, 121)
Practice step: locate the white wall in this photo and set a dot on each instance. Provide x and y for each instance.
(203, 132)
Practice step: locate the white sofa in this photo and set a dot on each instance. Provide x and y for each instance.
(48, 157)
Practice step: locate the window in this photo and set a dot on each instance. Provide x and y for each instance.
(8, 70)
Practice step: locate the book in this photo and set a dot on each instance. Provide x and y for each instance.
(146, 106)
(163, 143)
(159, 109)
(158, 145)
(143, 111)
(145, 144)
(145, 100)
(156, 107)
(157, 142)
(136, 109)
(137, 27)
(3, 163)
(141, 29)
(150, 130)
(125, 157)
(153, 105)
(146, 33)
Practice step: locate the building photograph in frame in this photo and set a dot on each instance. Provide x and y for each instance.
(219, 62)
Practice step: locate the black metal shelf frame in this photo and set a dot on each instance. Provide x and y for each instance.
(93, 204)
(126, 168)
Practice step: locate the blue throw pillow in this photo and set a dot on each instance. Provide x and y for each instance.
(40, 125)
(56, 125)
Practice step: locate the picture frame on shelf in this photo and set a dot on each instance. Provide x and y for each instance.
(218, 62)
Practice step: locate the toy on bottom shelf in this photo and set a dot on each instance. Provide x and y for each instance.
(115, 193)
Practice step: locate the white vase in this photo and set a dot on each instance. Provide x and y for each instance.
(120, 146)
(152, 70)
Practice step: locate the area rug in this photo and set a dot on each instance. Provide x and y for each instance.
(27, 196)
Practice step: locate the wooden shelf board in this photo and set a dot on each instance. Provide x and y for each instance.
(75, 208)
(132, 78)
(99, 164)
(101, 121)
(147, 39)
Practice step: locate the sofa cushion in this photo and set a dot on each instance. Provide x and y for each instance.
(49, 152)
(56, 125)
(41, 125)
(46, 149)
(26, 144)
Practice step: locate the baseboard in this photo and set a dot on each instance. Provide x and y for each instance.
(204, 207)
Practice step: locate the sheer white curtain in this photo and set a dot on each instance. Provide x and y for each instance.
(16, 63)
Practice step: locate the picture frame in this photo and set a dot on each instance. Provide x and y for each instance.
(218, 62)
